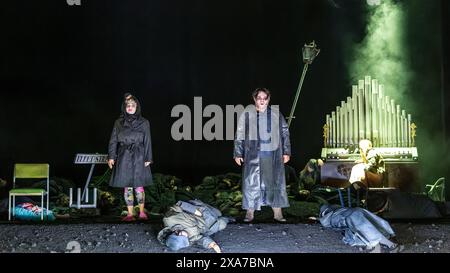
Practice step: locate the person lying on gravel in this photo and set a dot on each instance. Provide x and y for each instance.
(360, 226)
(191, 222)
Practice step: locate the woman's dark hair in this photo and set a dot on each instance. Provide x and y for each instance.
(260, 89)
(126, 98)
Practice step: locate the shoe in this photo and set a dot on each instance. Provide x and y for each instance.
(143, 216)
(280, 220)
(248, 219)
(396, 248)
(128, 218)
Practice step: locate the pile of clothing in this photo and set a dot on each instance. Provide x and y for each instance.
(32, 212)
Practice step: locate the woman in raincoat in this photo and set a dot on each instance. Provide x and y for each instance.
(262, 145)
(130, 155)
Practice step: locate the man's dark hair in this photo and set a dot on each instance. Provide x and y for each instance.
(260, 89)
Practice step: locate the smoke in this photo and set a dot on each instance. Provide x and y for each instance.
(402, 49)
(383, 53)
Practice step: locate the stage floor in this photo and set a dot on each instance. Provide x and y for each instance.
(236, 238)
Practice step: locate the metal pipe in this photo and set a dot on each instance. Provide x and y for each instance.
(338, 126)
(78, 198)
(350, 121)
(375, 130)
(361, 117)
(398, 126)
(403, 128)
(381, 110)
(333, 126)
(394, 124)
(70, 197)
(367, 108)
(388, 120)
(328, 136)
(355, 113)
(95, 197)
(344, 115)
(297, 94)
(91, 171)
(410, 144)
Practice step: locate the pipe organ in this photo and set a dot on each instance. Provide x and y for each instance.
(369, 114)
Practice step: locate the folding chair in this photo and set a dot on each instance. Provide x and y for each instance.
(436, 191)
(29, 171)
(349, 195)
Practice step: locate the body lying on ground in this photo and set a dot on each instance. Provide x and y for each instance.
(191, 222)
(360, 226)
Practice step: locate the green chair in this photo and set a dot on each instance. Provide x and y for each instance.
(27, 171)
(437, 191)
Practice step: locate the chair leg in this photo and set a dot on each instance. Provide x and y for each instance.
(349, 197)
(47, 204)
(9, 207)
(42, 207)
(14, 205)
(341, 198)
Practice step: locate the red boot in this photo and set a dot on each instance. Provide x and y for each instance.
(143, 216)
(128, 218)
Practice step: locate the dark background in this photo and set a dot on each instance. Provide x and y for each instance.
(64, 70)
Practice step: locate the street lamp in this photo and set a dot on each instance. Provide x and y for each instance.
(309, 53)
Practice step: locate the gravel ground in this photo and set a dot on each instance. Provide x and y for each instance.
(236, 238)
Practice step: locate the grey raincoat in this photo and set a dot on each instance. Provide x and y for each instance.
(181, 217)
(360, 226)
(261, 140)
(130, 147)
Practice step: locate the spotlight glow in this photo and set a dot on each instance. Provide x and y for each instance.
(384, 54)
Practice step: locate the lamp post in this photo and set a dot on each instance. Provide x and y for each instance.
(309, 53)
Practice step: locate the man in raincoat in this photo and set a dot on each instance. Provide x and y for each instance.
(191, 222)
(262, 145)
